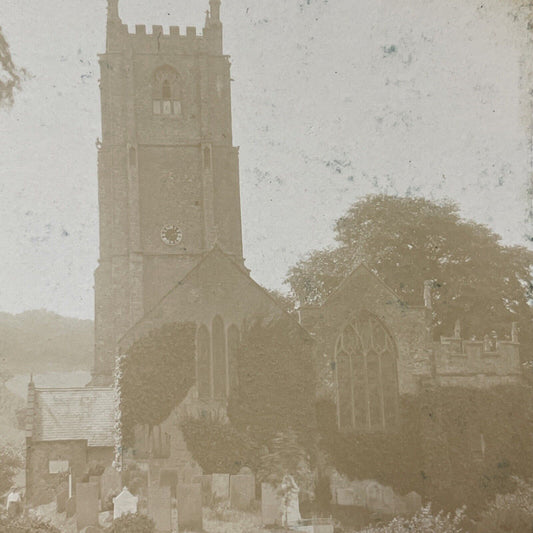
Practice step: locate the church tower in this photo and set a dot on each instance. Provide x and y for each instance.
(167, 168)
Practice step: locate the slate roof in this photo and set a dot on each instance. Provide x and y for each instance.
(74, 414)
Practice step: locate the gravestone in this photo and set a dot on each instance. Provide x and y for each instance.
(206, 484)
(189, 499)
(324, 528)
(188, 473)
(270, 505)
(169, 478)
(96, 481)
(70, 507)
(374, 496)
(159, 509)
(61, 501)
(124, 503)
(400, 505)
(345, 497)
(220, 486)
(414, 502)
(242, 491)
(87, 505)
(290, 502)
(388, 500)
(110, 483)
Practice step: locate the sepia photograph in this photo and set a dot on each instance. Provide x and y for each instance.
(266, 266)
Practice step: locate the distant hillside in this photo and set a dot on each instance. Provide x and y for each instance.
(41, 341)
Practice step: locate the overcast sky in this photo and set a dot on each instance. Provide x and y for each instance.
(332, 100)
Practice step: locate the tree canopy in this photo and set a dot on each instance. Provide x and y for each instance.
(408, 241)
(10, 75)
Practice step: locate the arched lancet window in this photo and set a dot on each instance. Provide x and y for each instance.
(219, 358)
(203, 348)
(367, 383)
(234, 338)
(207, 157)
(166, 92)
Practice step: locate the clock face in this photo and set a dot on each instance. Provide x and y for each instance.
(171, 235)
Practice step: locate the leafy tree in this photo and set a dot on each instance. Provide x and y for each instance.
(10, 75)
(10, 463)
(276, 383)
(408, 241)
(155, 376)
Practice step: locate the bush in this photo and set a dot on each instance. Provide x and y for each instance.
(26, 524)
(510, 512)
(132, 523)
(424, 521)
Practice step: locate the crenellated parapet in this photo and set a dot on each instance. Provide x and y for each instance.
(156, 39)
(474, 362)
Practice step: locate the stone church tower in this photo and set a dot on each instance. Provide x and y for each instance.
(167, 169)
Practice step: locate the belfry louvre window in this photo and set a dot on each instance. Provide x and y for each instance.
(166, 99)
(366, 374)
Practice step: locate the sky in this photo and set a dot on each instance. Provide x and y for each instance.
(332, 100)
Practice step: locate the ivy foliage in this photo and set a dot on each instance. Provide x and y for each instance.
(455, 446)
(273, 395)
(155, 376)
(276, 380)
(218, 446)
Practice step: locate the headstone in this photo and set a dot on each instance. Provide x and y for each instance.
(400, 505)
(414, 502)
(189, 499)
(388, 500)
(70, 507)
(206, 481)
(124, 503)
(87, 505)
(110, 483)
(159, 509)
(345, 497)
(324, 528)
(359, 494)
(96, 481)
(220, 486)
(270, 505)
(242, 491)
(61, 501)
(188, 473)
(169, 478)
(290, 503)
(374, 496)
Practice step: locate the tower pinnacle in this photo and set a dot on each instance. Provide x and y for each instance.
(214, 8)
(112, 10)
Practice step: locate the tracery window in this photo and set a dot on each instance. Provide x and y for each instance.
(219, 358)
(203, 350)
(166, 93)
(367, 383)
